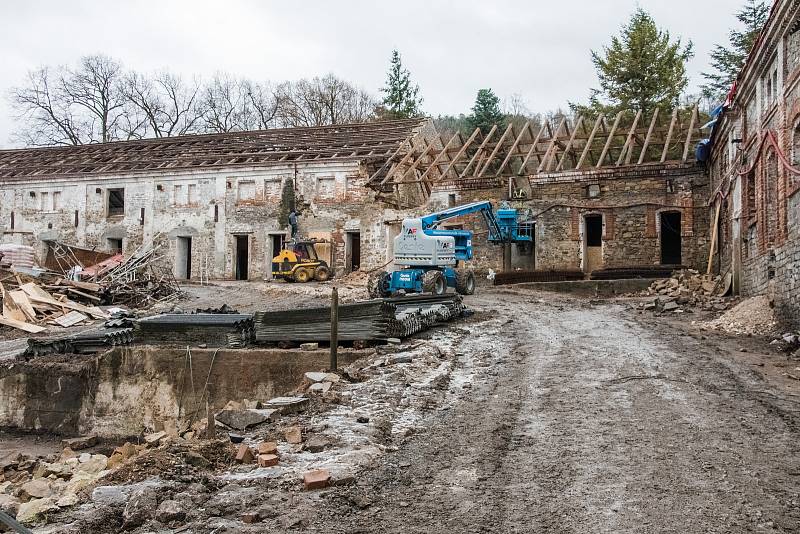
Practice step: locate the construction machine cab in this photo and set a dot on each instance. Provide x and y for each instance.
(299, 262)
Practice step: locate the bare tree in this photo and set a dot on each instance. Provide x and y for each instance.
(323, 101)
(71, 106)
(263, 105)
(167, 104)
(94, 87)
(46, 117)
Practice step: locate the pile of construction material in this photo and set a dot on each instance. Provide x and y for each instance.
(688, 288)
(28, 306)
(32, 298)
(87, 342)
(362, 321)
(139, 281)
(211, 329)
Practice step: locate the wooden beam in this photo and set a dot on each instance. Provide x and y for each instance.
(626, 149)
(509, 129)
(587, 148)
(669, 135)
(460, 153)
(713, 237)
(569, 143)
(415, 164)
(647, 137)
(552, 145)
(477, 152)
(533, 147)
(402, 162)
(608, 140)
(514, 147)
(435, 161)
(687, 145)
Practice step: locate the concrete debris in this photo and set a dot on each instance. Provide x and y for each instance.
(316, 444)
(170, 511)
(154, 439)
(752, 316)
(243, 419)
(687, 289)
(288, 405)
(316, 377)
(320, 388)
(33, 510)
(309, 346)
(80, 443)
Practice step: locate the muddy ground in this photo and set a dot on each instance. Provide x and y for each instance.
(560, 414)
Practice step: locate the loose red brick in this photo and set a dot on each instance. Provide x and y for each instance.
(267, 460)
(268, 447)
(318, 479)
(244, 455)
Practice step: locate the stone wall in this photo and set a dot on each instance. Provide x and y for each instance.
(630, 202)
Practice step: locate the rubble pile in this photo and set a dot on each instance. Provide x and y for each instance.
(752, 316)
(687, 289)
(34, 298)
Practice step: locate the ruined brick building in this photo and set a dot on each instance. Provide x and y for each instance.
(212, 201)
(755, 168)
(605, 192)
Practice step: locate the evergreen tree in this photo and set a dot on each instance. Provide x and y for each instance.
(401, 100)
(642, 68)
(727, 61)
(486, 112)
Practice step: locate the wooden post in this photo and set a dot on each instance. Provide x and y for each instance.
(334, 328)
(211, 428)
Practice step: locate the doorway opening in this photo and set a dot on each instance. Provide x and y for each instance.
(183, 258)
(242, 256)
(114, 245)
(671, 238)
(594, 242)
(276, 243)
(353, 251)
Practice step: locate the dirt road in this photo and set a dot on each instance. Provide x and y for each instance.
(581, 418)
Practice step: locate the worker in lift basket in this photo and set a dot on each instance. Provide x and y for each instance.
(293, 223)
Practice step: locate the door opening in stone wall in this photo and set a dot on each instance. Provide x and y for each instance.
(353, 251)
(114, 245)
(593, 236)
(242, 256)
(276, 243)
(183, 258)
(671, 238)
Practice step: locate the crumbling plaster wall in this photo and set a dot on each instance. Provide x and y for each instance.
(210, 206)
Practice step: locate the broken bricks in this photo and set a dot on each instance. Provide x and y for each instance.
(244, 455)
(293, 435)
(317, 479)
(268, 447)
(267, 460)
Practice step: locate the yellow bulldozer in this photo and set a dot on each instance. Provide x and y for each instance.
(298, 262)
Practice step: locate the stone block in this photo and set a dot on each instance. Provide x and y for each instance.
(317, 479)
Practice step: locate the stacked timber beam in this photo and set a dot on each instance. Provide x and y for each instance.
(486, 160)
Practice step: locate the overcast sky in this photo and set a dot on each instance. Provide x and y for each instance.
(537, 48)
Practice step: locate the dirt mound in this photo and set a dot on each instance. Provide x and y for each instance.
(751, 316)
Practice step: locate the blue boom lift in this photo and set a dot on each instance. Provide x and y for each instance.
(428, 256)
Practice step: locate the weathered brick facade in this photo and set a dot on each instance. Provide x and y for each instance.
(755, 169)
